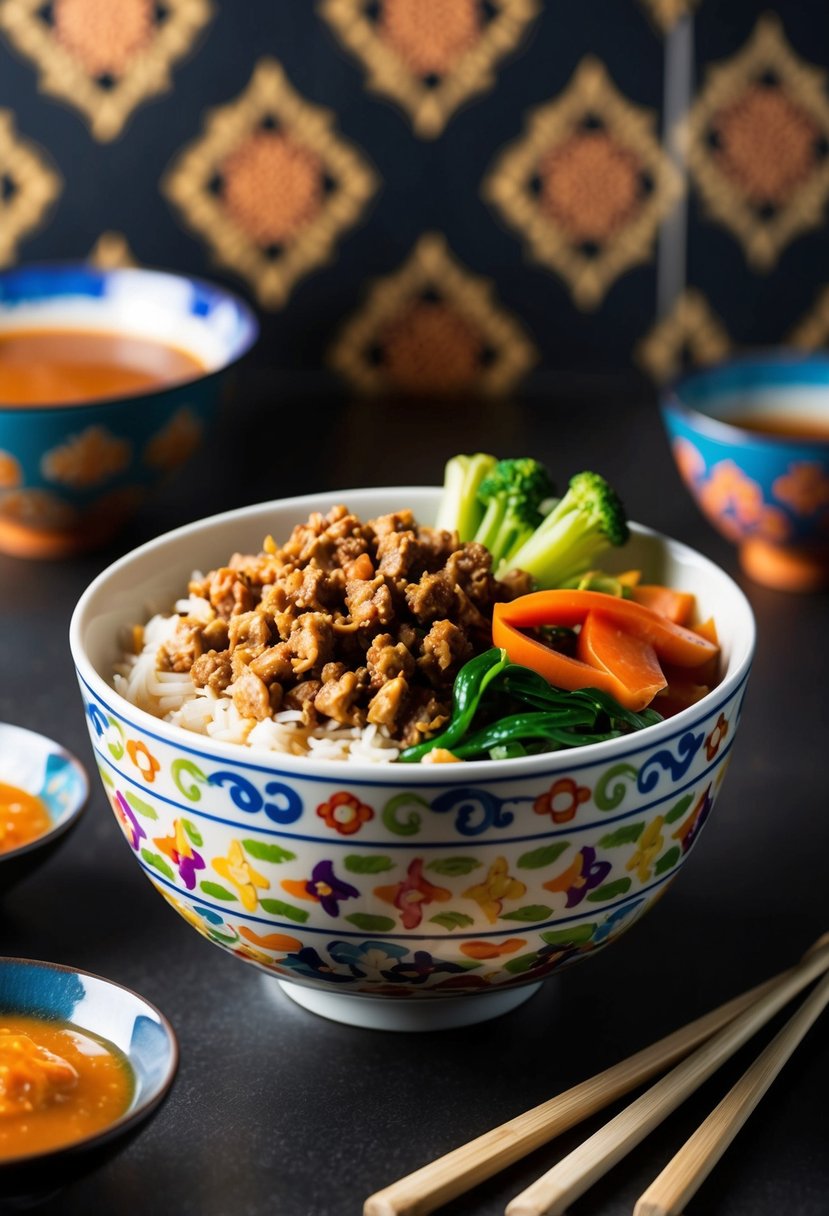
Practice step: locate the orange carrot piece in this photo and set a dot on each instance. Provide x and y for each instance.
(707, 630)
(673, 643)
(677, 606)
(628, 658)
(556, 668)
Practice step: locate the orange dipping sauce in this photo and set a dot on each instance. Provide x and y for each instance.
(58, 1085)
(23, 817)
(42, 367)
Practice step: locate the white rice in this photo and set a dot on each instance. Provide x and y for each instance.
(173, 697)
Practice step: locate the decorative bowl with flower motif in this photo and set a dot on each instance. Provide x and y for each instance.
(71, 474)
(751, 441)
(397, 895)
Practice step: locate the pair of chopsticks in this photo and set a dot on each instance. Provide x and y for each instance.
(695, 1051)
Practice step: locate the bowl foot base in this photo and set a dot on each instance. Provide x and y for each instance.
(784, 569)
(412, 1014)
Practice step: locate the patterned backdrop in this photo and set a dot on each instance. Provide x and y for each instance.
(437, 196)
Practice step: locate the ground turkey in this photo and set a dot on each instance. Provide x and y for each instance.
(348, 621)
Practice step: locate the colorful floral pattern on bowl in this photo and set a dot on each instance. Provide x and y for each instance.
(71, 475)
(404, 880)
(766, 493)
(41, 767)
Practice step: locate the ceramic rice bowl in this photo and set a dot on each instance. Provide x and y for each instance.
(445, 892)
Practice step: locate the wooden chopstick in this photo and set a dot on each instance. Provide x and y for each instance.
(458, 1171)
(574, 1174)
(685, 1173)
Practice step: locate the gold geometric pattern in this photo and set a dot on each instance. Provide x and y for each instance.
(757, 144)
(104, 56)
(28, 187)
(665, 14)
(430, 56)
(690, 335)
(269, 185)
(111, 251)
(587, 184)
(812, 331)
(432, 328)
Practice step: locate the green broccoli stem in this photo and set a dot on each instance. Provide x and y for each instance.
(501, 531)
(560, 548)
(459, 509)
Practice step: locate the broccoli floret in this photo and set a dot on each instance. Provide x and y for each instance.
(584, 523)
(459, 508)
(512, 495)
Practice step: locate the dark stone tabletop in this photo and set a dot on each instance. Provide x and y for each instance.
(278, 1111)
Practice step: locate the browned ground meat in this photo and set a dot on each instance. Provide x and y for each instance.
(348, 621)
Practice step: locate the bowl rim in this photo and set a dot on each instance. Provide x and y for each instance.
(357, 772)
(131, 1116)
(70, 819)
(61, 269)
(781, 358)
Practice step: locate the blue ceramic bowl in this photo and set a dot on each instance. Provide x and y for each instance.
(751, 441)
(71, 474)
(111, 1012)
(41, 767)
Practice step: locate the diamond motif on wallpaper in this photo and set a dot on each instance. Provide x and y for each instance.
(757, 143)
(587, 184)
(430, 56)
(432, 328)
(111, 251)
(269, 185)
(667, 13)
(690, 335)
(812, 331)
(28, 187)
(104, 56)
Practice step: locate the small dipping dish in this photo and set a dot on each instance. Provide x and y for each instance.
(103, 1010)
(41, 768)
(750, 438)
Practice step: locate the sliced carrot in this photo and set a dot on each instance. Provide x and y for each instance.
(629, 578)
(677, 606)
(629, 659)
(708, 630)
(556, 668)
(673, 643)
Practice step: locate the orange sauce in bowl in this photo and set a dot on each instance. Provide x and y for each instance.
(23, 817)
(784, 426)
(43, 367)
(58, 1084)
